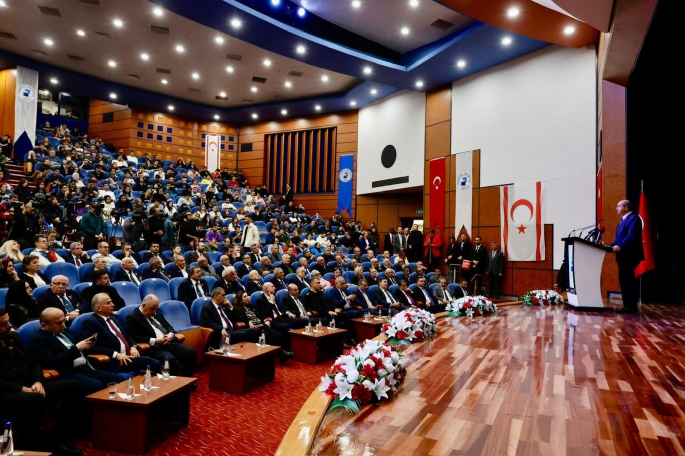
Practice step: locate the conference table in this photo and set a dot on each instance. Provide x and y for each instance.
(230, 372)
(169, 400)
(368, 329)
(315, 347)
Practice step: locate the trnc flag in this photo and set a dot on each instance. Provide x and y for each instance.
(437, 194)
(648, 238)
(521, 212)
(345, 184)
(212, 152)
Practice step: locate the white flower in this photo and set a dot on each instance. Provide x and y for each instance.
(326, 382)
(343, 390)
(382, 373)
(352, 376)
(379, 388)
(394, 356)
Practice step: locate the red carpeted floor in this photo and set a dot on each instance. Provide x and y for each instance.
(228, 424)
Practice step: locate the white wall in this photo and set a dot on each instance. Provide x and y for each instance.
(534, 119)
(400, 120)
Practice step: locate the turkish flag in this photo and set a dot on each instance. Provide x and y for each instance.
(437, 194)
(600, 216)
(648, 238)
(521, 212)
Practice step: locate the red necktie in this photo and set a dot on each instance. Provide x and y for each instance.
(77, 261)
(120, 336)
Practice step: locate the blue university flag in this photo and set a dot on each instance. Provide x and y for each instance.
(345, 184)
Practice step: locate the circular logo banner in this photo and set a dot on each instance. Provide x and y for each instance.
(26, 92)
(345, 174)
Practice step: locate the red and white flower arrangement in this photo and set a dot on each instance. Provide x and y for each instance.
(542, 298)
(371, 371)
(470, 306)
(411, 325)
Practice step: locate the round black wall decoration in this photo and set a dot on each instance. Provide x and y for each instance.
(388, 156)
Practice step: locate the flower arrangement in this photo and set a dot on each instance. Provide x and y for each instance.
(370, 372)
(470, 306)
(542, 298)
(411, 325)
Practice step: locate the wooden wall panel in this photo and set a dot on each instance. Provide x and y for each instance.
(439, 106)
(8, 89)
(488, 206)
(438, 141)
(117, 132)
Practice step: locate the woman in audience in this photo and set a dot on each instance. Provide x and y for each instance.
(4, 190)
(20, 305)
(22, 190)
(337, 273)
(127, 192)
(400, 256)
(202, 212)
(11, 250)
(31, 272)
(141, 185)
(373, 277)
(240, 215)
(40, 191)
(170, 208)
(108, 206)
(358, 275)
(8, 275)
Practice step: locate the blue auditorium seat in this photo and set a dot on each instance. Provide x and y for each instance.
(38, 290)
(85, 267)
(348, 276)
(173, 287)
(176, 313)
(28, 330)
(157, 287)
(280, 295)
(126, 311)
(210, 281)
(78, 288)
(196, 309)
(254, 297)
(214, 256)
(68, 270)
(129, 292)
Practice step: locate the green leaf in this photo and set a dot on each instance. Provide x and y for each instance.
(348, 405)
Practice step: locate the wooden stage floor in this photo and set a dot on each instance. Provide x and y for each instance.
(532, 381)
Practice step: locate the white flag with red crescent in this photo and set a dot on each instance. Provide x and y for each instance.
(521, 212)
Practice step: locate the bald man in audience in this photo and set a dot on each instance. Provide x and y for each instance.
(127, 272)
(59, 296)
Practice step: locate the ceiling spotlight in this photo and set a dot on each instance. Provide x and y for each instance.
(288, 84)
(216, 117)
(569, 30)
(112, 63)
(356, 3)
(48, 42)
(414, 3)
(404, 30)
(284, 112)
(317, 107)
(506, 41)
(367, 70)
(171, 107)
(353, 103)
(144, 56)
(301, 50)
(164, 81)
(195, 76)
(253, 89)
(461, 64)
(157, 12)
(419, 84)
(222, 94)
(219, 40)
(275, 2)
(117, 23)
(374, 91)
(229, 69)
(324, 78)
(180, 49)
(2, 3)
(513, 12)
(80, 33)
(236, 23)
(267, 62)
(301, 12)
(53, 81)
(255, 116)
(113, 96)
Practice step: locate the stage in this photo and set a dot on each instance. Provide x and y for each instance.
(524, 381)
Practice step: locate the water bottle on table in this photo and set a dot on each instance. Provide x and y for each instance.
(147, 382)
(130, 389)
(6, 442)
(262, 339)
(165, 369)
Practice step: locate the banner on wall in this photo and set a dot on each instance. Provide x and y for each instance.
(212, 152)
(437, 194)
(521, 213)
(345, 184)
(464, 193)
(25, 111)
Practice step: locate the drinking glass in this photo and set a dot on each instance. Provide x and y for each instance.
(112, 390)
(130, 392)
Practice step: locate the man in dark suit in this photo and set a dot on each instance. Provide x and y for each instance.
(629, 253)
(266, 308)
(56, 348)
(389, 240)
(178, 269)
(274, 254)
(365, 299)
(463, 290)
(293, 305)
(127, 273)
(100, 285)
(495, 269)
(424, 299)
(400, 241)
(404, 295)
(246, 267)
(61, 297)
(76, 255)
(463, 252)
(442, 294)
(225, 262)
(320, 265)
(300, 279)
(255, 254)
(155, 270)
(100, 264)
(146, 325)
(386, 301)
(193, 287)
(340, 299)
(113, 340)
(215, 316)
(265, 267)
(279, 279)
(230, 281)
(255, 283)
(154, 253)
(479, 257)
(287, 264)
(200, 250)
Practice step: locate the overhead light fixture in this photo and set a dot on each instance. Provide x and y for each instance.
(53, 81)
(301, 49)
(288, 84)
(301, 12)
(195, 76)
(253, 89)
(356, 3)
(284, 112)
(171, 107)
(222, 94)
(229, 69)
(113, 96)
(404, 31)
(374, 91)
(461, 64)
(216, 117)
(506, 41)
(219, 40)
(513, 12)
(157, 12)
(367, 70)
(267, 62)
(569, 30)
(317, 107)
(180, 49)
(236, 23)
(2, 3)
(414, 3)
(353, 103)
(80, 33)
(117, 23)
(164, 81)
(144, 56)
(324, 78)
(419, 84)
(48, 42)
(275, 2)
(255, 116)
(112, 63)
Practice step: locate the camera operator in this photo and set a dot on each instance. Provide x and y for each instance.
(54, 213)
(93, 225)
(134, 227)
(155, 226)
(188, 230)
(169, 239)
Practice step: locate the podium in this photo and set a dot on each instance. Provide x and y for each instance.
(584, 261)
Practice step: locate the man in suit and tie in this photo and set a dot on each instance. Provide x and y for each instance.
(629, 253)
(404, 295)
(495, 270)
(59, 296)
(200, 251)
(154, 253)
(265, 266)
(76, 255)
(442, 294)
(293, 305)
(400, 241)
(267, 308)
(255, 283)
(215, 316)
(147, 325)
(390, 275)
(304, 263)
(320, 265)
(339, 265)
(366, 300)
(230, 281)
(279, 280)
(225, 261)
(300, 279)
(340, 299)
(463, 290)
(386, 301)
(274, 254)
(255, 253)
(246, 267)
(424, 299)
(463, 252)
(178, 269)
(112, 339)
(155, 271)
(389, 240)
(193, 287)
(479, 257)
(100, 284)
(56, 348)
(287, 264)
(127, 272)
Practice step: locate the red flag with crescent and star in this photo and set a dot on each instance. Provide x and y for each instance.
(521, 212)
(437, 195)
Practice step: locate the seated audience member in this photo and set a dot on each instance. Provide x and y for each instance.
(404, 295)
(386, 301)
(8, 275)
(155, 271)
(215, 315)
(286, 264)
(31, 272)
(207, 270)
(193, 287)
(11, 249)
(462, 291)
(25, 396)
(44, 255)
(127, 273)
(200, 251)
(113, 339)
(178, 269)
(340, 299)
(267, 309)
(320, 265)
(59, 296)
(443, 295)
(76, 255)
(56, 348)
(365, 299)
(265, 266)
(255, 283)
(100, 264)
(246, 266)
(103, 252)
(154, 253)
(225, 262)
(128, 253)
(100, 284)
(229, 281)
(279, 279)
(20, 305)
(300, 278)
(147, 325)
(293, 305)
(424, 299)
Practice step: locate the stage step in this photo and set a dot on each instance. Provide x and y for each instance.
(16, 173)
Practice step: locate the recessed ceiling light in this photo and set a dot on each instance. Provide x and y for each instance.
(157, 12)
(113, 96)
(419, 84)
(275, 2)
(284, 112)
(112, 63)
(301, 49)
(374, 91)
(414, 3)
(180, 49)
(288, 84)
(171, 107)
(513, 12)
(506, 41)
(569, 30)
(219, 40)
(301, 12)
(324, 78)
(317, 107)
(164, 81)
(54, 81)
(229, 69)
(144, 56)
(222, 94)
(216, 117)
(195, 76)
(267, 62)
(117, 23)
(367, 70)
(353, 103)
(254, 116)
(236, 23)
(404, 30)
(80, 33)
(356, 3)
(48, 42)
(461, 64)
(253, 89)
(2, 3)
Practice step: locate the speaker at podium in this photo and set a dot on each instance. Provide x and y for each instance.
(584, 261)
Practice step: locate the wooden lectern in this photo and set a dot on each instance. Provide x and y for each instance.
(584, 261)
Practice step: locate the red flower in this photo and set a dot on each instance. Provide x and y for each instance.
(369, 372)
(360, 393)
(466, 305)
(536, 300)
(418, 334)
(376, 360)
(545, 301)
(331, 389)
(401, 334)
(385, 327)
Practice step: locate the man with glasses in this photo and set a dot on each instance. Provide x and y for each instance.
(44, 255)
(246, 266)
(61, 297)
(103, 252)
(216, 315)
(76, 255)
(101, 284)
